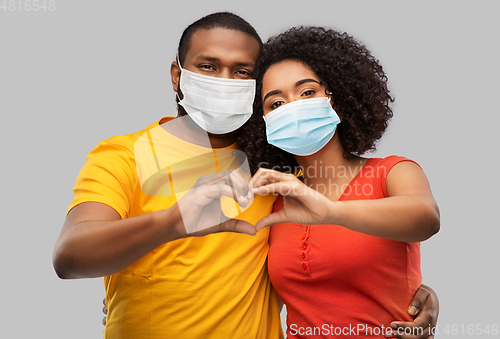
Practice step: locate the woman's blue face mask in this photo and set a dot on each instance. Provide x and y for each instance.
(302, 127)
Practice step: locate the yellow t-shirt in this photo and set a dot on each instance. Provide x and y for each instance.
(216, 286)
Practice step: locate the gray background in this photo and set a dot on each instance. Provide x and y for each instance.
(93, 69)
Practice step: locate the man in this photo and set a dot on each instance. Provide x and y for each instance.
(163, 277)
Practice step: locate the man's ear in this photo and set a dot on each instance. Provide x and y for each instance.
(175, 74)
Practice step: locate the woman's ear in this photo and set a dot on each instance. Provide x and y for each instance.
(175, 74)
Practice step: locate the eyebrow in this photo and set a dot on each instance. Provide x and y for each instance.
(297, 84)
(214, 59)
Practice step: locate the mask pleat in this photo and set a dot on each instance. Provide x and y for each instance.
(302, 127)
(217, 105)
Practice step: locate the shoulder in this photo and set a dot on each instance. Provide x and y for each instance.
(380, 167)
(390, 161)
(392, 170)
(122, 144)
(404, 175)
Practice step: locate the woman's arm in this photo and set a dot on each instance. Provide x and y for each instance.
(409, 213)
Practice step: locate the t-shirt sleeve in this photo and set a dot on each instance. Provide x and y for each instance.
(388, 163)
(107, 177)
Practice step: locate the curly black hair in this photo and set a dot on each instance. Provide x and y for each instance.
(354, 77)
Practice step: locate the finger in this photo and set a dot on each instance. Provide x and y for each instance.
(265, 176)
(214, 178)
(428, 311)
(104, 309)
(286, 188)
(238, 226)
(219, 180)
(269, 188)
(418, 300)
(240, 196)
(226, 180)
(239, 184)
(204, 195)
(207, 179)
(269, 220)
(214, 191)
(408, 332)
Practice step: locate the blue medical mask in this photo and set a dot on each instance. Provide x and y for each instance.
(302, 127)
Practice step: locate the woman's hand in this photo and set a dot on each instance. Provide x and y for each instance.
(301, 204)
(409, 212)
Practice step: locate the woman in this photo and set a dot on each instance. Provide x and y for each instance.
(346, 235)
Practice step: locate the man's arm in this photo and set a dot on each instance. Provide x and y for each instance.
(96, 242)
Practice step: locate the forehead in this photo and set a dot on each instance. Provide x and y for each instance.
(285, 74)
(224, 44)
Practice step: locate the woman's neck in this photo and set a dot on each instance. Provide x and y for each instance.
(327, 171)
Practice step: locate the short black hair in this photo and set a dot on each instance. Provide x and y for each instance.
(355, 78)
(215, 20)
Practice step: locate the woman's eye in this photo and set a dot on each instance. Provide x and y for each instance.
(308, 93)
(276, 104)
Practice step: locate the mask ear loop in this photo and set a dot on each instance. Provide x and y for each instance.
(329, 94)
(327, 91)
(177, 59)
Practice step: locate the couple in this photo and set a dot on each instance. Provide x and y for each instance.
(162, 281)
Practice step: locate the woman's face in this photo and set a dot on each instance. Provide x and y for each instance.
(287, 81)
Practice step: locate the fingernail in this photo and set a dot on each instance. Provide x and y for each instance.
(412, 310)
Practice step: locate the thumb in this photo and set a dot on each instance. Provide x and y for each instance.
(418, 301)
(268, 220)
(238, 226)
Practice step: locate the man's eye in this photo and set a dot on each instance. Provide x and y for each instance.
(244, 73)
(207, 67)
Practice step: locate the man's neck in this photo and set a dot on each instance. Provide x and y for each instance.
(186, 129)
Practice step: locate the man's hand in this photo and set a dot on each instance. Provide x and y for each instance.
(105, 311)
(425, 308)
(201, 208)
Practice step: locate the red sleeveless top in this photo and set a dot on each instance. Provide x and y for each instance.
(340, 283)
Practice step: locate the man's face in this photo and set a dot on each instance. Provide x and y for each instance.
(219, 52)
